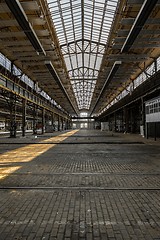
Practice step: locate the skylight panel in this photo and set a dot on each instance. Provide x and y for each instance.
(83, 27)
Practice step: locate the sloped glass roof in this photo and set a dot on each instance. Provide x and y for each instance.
(83, 27)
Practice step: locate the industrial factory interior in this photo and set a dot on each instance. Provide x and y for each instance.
(79, 119)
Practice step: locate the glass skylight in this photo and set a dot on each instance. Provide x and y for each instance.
(83, 28)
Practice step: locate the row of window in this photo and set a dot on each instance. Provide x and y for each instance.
(153, 107)
(6, 63)
(21, 91)
(149, 71)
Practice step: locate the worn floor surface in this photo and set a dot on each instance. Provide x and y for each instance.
(79, 185)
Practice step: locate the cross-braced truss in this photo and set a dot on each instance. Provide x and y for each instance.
(83, 28)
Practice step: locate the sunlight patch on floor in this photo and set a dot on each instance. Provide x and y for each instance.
(27, 153)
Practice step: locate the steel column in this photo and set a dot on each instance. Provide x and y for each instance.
(58, 123)
(23, 116)
(62, 124)
(143, 115)
(52, 120)
(43, 120)
(13, 124)
(35, 119)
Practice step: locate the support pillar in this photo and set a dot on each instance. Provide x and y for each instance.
(13, 125)
(147, 129)
(132, 120)
(23, 117)
(43, 120)
(5, 124)
(34, 119)
(62, 124)
(126, 120)
(115, 123)
(52, 118)
(155, 131)
(69, 124)
(143, 116)
(66, 124)
(58, 123)
(52, 121)
(109, 123)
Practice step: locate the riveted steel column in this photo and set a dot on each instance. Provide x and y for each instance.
(132, 120)
(52, 121)
(13, 124)
(43, 120)
(70, 124)
(62, 124)
(66, 124)
(126, 120)
(35, 111)
(115, 122)
(58, 123)
(24, 102)
(143, 116)
(155, 131)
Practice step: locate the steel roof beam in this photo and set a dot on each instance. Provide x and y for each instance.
(130, 21)
(138, 24)
(109, 78)
(58, 81)
(19, 14)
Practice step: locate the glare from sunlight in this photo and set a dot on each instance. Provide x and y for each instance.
(9, 159)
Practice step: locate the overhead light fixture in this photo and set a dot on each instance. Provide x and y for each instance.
(20, 16)
(138, 24)
(108, 80)
(58, 81)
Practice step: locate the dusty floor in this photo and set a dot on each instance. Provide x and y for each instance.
(80, 185)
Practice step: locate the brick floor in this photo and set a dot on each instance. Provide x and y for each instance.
(91, 185)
